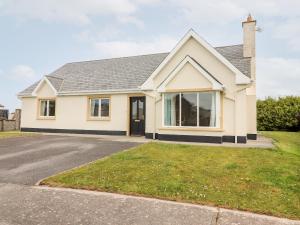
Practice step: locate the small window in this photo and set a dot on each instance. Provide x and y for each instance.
(99, 107)
(47, 108)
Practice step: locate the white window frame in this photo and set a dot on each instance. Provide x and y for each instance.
(47, 108)
(218, 110)
(99, 117)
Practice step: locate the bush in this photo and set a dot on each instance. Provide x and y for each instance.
(279, 114)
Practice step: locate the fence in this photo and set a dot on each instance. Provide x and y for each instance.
(13, 124)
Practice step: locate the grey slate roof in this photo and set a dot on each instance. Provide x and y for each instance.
(234, 54)
(122, 73)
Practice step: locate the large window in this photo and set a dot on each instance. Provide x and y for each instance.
(192, 109)
(47, 108)
(99, 108)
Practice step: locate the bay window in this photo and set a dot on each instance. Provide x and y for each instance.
(99, 108)
(192, 109)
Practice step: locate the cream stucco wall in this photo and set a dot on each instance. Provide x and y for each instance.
(233, 110)
(237, 112)
(202, 56)
(188, 78)
(71, 113)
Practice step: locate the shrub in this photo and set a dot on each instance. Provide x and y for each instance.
(279, 114)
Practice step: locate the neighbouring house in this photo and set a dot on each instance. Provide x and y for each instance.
(196, 92)
(3, 112)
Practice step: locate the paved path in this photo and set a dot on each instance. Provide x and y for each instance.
(48, 206)
(26, 160)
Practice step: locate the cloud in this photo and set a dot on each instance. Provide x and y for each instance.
(213, 11)
(131, 19)
(127, 48)
(290, 32)
(278, 77)
(76, 12)
(22, 73)
(216, 11)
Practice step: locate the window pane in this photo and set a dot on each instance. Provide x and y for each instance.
(43, 109)
(104, 107)
(141, 109)
(189, 109)
(171, 109)
(95, 107)
(134, 109)
(51, 108)
(207, 109)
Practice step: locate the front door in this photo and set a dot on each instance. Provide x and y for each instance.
(137, 116)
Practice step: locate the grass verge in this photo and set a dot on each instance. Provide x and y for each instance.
(285, 141)
(9, 134)
(259, 180)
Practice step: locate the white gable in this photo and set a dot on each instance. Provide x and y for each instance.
(240, 78)
(189, 75)
(44, 89)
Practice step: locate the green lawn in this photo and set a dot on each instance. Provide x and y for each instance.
(286, 141)
(258, 180)
(8, 134)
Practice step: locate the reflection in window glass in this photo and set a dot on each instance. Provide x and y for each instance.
(207, 109)
(171, 109)
(194, 109)
(43, 109)
(51, 108)
(105, 107)
(141, 110)
(94, 107)
(47, 107)
(189, 109)
(134, 109)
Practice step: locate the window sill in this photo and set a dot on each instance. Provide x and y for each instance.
(212, 129)
(46, 118)
(98, 119)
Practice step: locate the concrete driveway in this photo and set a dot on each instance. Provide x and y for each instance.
(26, 160)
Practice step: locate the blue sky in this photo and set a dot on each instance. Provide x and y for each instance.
(37, 37)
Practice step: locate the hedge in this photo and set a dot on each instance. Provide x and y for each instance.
(279, 114)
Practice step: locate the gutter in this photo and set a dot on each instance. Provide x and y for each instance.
(92, 92)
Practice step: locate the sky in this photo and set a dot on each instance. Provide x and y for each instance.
(37, 37)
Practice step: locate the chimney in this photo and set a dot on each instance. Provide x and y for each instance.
(249, 29)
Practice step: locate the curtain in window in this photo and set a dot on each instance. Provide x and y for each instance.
(171, 117)
(212, 122)
(204, 107)
(94, 107)
(203, 104)
(43, 109)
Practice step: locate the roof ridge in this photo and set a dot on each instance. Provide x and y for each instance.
(122, 57)
(228, 46)
(55, 77)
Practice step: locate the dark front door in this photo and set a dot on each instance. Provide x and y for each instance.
(137, 115)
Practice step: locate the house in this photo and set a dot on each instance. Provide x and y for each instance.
(3, 112)
(196, 92)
